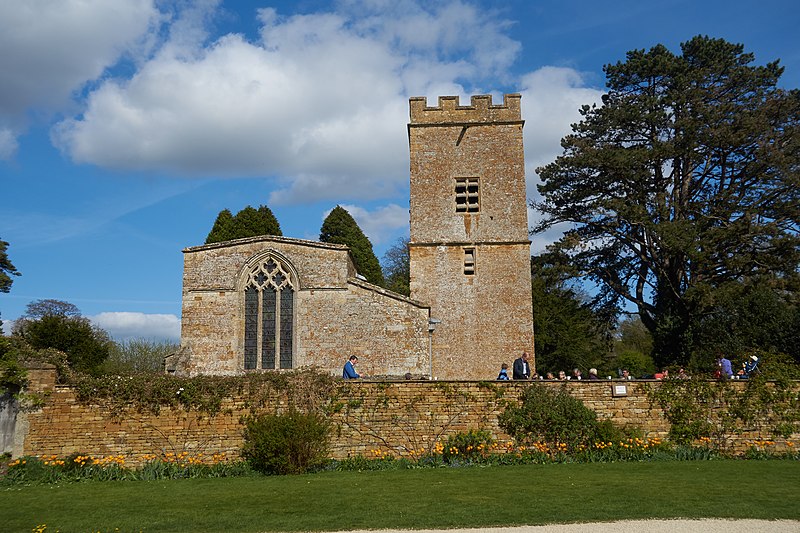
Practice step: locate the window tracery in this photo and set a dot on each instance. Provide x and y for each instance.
(268, 317)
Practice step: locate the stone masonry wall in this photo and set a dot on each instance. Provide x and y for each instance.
(336, 314)
(486, 314)
(391, 416)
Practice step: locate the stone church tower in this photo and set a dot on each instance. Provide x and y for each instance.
(469, 246)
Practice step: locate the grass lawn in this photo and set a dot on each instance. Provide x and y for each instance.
(425, 498)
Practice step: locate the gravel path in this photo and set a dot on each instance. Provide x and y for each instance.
(633, 526)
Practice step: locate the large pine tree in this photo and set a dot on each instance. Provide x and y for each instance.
(340, 227)
(685, 179)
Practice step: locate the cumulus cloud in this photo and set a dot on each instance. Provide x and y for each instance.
(551, 99)
(52, 48)
(128, 325)
(379, 225)
(318, 102)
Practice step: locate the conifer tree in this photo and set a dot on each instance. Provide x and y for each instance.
(222, 229)
(683, 180)
(248, 222)
(339, 227)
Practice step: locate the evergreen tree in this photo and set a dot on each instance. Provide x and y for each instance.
(339, 227)
(222, 229)
(7, 269)
(251, 222)
(568, 333)
(687, 177)
(248, 222)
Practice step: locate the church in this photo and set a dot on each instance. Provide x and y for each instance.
(277, 303)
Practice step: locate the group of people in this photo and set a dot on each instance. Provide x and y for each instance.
(724, 368)
(522, 371)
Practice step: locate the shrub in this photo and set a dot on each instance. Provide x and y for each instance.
(468, 446)
(290, 443)
(551, 416)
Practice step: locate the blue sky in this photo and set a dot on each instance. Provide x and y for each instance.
(127, 125)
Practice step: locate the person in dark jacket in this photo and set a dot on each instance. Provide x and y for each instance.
(522, 370)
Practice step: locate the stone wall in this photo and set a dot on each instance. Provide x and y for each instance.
(335, 313)
(391, 416)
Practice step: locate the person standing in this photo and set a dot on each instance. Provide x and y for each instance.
(522, 370)
(349, 371)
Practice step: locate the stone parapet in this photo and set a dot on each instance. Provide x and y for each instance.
(480, 111)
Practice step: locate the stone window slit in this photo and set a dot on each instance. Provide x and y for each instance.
(469, 261)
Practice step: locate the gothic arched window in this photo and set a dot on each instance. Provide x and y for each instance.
(268, 317)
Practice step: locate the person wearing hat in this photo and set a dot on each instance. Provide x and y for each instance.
(748, 367)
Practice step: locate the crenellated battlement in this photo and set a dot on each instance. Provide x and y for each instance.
(480, 111)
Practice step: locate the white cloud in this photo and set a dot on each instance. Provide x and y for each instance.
(128, 325)
(551, 99)
(8, 143)
(319, 102)
(381, 224)
(52, 48)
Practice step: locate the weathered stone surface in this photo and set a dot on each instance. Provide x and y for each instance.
(390, 416)
(335, 313)
(486, 316)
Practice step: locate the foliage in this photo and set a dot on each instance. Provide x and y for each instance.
(288, 443)
(137, 355)
(39, 309)
(636, 362)
(569, 333)
(51, 469)
(308, 390)
(7, 269)
(59, 325)
(634, 336)
(741, 317)
(551, 417)
(701, 409)
(248, 222)
(683, 180)
(339, 227)
(397, 267)
(223, 229)
(13, 376)
(469, 446)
